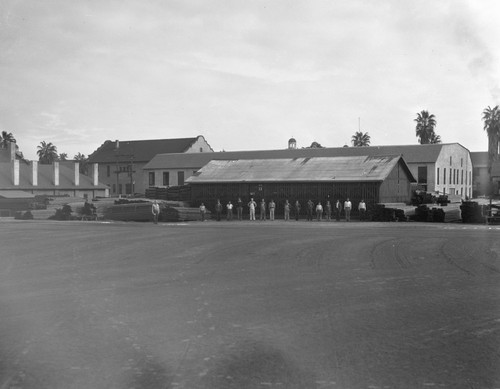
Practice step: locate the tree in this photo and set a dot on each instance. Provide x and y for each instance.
(5, 138)
(435, 138)
(491, 118)
(315, 145)
(83, 160)
(425, 128)
(360, 139)
(63, 157)
(47, 153)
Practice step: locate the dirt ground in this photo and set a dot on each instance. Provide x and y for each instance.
(249, 305)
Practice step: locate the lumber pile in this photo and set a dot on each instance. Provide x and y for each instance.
(472, 212)
(385, 214)
(172, 193)
(431, 215)
(181, 214)
(129, 212)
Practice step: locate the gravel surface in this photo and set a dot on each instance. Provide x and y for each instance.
(222, 305)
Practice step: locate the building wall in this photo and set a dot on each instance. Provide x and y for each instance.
(199, 146)
(481, 181)
(396, 188)
(457, 162)
(108, 175)
(279, 192)
(173, 177)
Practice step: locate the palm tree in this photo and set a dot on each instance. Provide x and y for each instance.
(83, 160)
(425, 127)
(47, 153)
(491, 118)
(435, 138)
(360, 139)
(63, 157)
(5, 138)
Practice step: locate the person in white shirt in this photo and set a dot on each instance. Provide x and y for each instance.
(252, 205)
(347, 209)
(319, 211)
(155, 209)
(362, 210)
(229, 207)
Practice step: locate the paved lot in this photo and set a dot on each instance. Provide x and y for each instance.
(249, 305)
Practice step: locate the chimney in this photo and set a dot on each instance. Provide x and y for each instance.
(77, 174)
(56, 173)
(95, 174)
(34, 173)
(12, 150)
(15, 171)
(117, 144)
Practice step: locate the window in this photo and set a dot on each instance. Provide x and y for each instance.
(461, 162)
(450, 160)
(201, 149)
(114, 188)
(151, 178)
(108, 171)
(450, 175)
(422, 174)
(128, 188)
(437, 176)
(180, 178)
(462, 179)
(166, 178)
(119, 188)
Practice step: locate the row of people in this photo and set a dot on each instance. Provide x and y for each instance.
(329, 210)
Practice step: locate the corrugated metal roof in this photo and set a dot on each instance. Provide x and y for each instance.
(341, 169)
(141, 150)
(410, 153)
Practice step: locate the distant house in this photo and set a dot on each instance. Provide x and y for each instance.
(21, 179)
(121, 163)
(441, 168)
(481, 176)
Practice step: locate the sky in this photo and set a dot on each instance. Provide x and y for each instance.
(245, 74)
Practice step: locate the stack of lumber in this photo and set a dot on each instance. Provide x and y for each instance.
(179, 214)
(129, 212)
(157, 193)
(385, 214)
(179, 193)
(472, 212)
(432, 215)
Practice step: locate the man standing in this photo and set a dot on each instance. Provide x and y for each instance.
(239, 209)
(287, 210)
(203, 211)
(319, 211)
(218, 210)
(229, 207)
(252, 205)
(328, 207)
(272, 206)
(310, 206)
(347, 209)
(297, 210)
(155, 209)
(362, 210)
(338, 210)
(263, 210)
